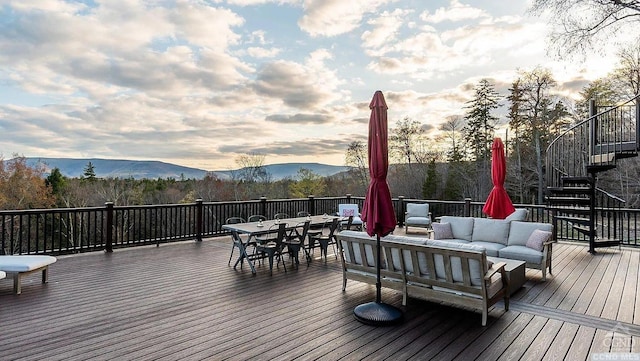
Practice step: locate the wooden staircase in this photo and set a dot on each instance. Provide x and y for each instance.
(577, 156)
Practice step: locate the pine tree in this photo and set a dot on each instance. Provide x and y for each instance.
(89, 172)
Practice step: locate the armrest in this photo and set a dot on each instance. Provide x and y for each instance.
(497, 267)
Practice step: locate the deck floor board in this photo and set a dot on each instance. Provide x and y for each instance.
(183, 301)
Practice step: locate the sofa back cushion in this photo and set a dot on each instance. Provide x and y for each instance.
(520, 214)
(475, 269)
(417, 209)
(490, 230)
(395, 252)
(462, 227)
(519, 232)
(356, 256)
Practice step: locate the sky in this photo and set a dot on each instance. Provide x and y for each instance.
(199, 83)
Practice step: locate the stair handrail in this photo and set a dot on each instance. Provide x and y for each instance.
(555, 171)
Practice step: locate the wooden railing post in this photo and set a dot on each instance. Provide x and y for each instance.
(400, 211)
(263, 206)
(311, 207)
(467, 207)
(109, 228)
(199, 220)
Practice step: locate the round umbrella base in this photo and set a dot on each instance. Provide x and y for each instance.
(377, 314)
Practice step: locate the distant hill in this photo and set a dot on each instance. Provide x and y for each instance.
(139, 169)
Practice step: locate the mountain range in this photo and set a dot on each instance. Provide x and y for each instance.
(141, 169)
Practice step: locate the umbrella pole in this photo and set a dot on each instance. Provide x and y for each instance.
(378, 313)
(378, 283)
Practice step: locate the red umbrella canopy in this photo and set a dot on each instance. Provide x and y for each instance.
(498, 204)
(377, 212)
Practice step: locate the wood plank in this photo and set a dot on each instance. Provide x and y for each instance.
(182, 301)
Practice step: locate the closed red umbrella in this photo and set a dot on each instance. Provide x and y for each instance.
(378, 213)
(498, 204)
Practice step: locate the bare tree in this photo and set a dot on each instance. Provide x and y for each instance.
(356, 159)
(579, 25)
(627, 73)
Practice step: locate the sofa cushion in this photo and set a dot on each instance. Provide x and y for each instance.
(357, 255)
(490, 230)
(420, 210)
(519, 232)
(395, 253)
(462, 227)
(537, 238)
(492, 248)
(520, 214)
(442, 230)
(456, 265)
(24, 263)
(522, 253)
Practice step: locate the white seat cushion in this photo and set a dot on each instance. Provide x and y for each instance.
(24, 263)
(2, 275)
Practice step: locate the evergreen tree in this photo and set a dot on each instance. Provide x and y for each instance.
(56, 181)
(89, 172)
(481, 122)
(430, 185)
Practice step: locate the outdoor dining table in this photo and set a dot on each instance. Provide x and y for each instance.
(253, 229)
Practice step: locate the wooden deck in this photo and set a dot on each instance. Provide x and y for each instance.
(182, 302)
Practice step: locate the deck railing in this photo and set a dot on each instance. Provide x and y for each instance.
(74, 230)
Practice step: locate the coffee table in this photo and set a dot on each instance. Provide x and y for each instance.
(515, 272)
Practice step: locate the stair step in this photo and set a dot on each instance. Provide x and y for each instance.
(583, 229)
(577, 179)
(603, 158)
(571, 210)
(597, 244)
(573, 219)
(569, 201)
(600, 168)
(569, 190)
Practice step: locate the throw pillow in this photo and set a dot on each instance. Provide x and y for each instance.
(442, 231)
(537, 238)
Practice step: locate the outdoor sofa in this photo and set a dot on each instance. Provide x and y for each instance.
(452, 273)
(530, 242)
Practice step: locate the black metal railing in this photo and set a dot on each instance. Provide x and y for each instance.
(608, 134)
(75, 230)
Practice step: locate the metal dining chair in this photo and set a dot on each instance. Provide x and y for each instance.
(273, 248)
(294, 241)
(256, 218)
(280, 216)
(303, 214)
(324, 240)
(237, 240)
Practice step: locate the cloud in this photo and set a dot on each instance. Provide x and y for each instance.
(299, 118)
(456, 12)
(335, 17)
(297, 84)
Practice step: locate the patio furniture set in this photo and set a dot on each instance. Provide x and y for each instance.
(472, 262)
(272, 239)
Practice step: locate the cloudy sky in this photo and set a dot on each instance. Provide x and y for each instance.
(199, 82)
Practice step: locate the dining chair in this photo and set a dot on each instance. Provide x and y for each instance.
(280, 216)
(325, 239)
(256, 218)
(303, 214)
(348, 210)
(273, 248)
(237, 240)
(294, 241)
